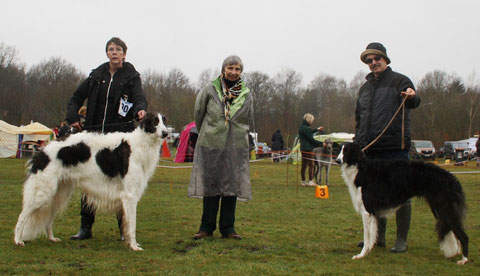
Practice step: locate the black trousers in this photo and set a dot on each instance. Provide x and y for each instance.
(227, 214)
(88, 214)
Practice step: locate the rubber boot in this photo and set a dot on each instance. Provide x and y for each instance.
(88, 218)
(403, 225)
(382, 227)
(84, 233)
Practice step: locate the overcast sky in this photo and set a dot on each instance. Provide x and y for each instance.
(309, 36)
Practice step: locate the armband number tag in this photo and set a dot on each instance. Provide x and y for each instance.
(124, 107)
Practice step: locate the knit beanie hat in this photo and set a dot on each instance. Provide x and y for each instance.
(375, 48)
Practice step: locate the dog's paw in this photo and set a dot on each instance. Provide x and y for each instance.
(136, 248)
(54, 239)
(358, 256)
(20, 243)
(463, 261)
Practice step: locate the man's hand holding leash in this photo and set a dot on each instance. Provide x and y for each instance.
(409, 93)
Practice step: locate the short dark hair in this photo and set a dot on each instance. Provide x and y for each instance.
(117, 41)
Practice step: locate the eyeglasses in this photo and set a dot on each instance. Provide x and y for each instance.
(370, 60)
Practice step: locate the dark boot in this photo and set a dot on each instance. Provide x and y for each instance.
(403, 225)
(84, 233)
(88, 218)
(382, 227)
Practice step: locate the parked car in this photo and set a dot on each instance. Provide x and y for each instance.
(451, 147)
(422, 150)
(262, 150)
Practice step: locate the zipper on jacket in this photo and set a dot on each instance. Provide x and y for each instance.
(106, 104)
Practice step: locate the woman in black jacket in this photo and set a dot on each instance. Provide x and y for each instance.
(114, 98)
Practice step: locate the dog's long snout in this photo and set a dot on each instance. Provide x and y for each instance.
(164, 134)
(338, 161)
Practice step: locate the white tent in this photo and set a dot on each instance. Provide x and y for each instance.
(9, 136)
(8, 139)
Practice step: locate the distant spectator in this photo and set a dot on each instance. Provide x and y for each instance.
(277, 145)
(307, 143)
(478, 151)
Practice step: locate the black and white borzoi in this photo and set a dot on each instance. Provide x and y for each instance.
(379, 187)
(113, 169)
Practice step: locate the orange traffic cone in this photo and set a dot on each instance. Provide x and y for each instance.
(165, 150)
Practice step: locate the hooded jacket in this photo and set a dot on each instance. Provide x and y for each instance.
(378, 100)
(104, 94)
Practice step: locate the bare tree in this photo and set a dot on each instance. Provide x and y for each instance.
(206, 77)
(51, 84)
(13, 94)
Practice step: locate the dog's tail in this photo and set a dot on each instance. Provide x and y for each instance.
(40, 206)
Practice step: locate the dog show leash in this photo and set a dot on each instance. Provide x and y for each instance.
(402, 106)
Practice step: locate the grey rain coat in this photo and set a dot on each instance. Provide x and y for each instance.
(221, 161)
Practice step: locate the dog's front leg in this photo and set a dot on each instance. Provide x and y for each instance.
(327, 171)
(369, 233)
(130, 211)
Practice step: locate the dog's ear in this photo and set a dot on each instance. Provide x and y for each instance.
(150, 122)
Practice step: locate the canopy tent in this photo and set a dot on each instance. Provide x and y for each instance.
(11, 136)
(336, 137)
(8, 139)
(186, 144)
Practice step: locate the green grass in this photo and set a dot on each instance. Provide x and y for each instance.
(285, 229)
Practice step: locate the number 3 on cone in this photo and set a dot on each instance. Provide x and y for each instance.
(321, 191)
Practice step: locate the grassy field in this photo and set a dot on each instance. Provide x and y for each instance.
(285, 229)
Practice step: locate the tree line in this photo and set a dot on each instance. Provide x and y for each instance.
(449, 110)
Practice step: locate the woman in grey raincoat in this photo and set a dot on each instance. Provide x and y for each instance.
(221, 170)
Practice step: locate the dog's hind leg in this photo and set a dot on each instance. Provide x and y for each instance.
(369, 233)
(22, 220)
(451, 234)
(37, 196)
(60, 202)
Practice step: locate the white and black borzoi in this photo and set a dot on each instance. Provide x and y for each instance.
(323, 157)
(379, 187)
(113, 169)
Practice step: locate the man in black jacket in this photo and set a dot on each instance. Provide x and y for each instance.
(378, 100)
(114, 98)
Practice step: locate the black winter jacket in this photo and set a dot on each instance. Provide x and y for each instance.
(378, 100)
(102, 114)
(277, 141)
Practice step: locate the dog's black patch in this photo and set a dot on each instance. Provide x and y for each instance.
(39, 161)
(72, 155)
(149, 123)
(114, 162)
